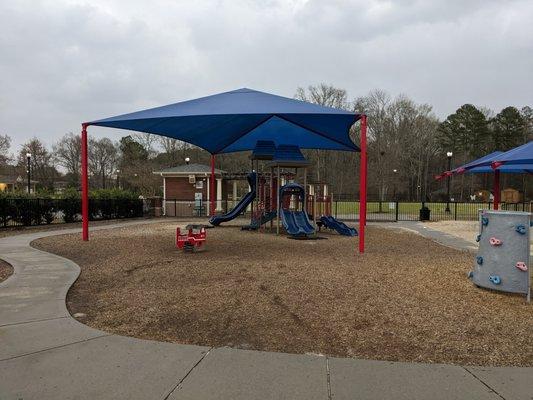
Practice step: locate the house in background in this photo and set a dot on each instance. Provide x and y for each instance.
(186, 190)
(16, 183)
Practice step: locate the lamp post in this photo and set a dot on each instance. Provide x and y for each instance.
(395, 171)
(28, 157)
(118, 182)
(449, 156)
(187, 160)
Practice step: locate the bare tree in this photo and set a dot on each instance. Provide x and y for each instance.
(5, 145)
(67, 153)
(146, 140)
(329, 96)
(103, 158)
(41, 166)
(176, 150)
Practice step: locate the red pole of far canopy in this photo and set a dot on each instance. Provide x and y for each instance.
(496, 189)
(212, 187)
(362, 187)
(84, 184)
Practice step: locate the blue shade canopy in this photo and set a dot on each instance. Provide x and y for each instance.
(483, 166)
(469, 166)
(519, 155)
(515, 161)
(235, 121)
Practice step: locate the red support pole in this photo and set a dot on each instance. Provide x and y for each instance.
(84, 184)
(362, 187)
(496, 189)
(212, 186)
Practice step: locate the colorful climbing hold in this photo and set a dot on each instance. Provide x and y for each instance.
(495, 241)
(484, 221)
(521, 266)
(495, 279)
(521, 229)
(478, 238)
(479, 260)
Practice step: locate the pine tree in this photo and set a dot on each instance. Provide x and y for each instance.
(508, 129)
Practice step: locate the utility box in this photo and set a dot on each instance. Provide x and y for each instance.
(502, 261)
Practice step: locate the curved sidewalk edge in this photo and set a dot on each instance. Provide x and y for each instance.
(440, 237)
(46, 354)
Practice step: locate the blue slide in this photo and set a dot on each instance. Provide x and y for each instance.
(240, 207)
(296, 223)
(332, 223)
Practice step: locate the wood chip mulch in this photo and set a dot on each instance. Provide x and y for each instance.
(6, 270)
(406, 299)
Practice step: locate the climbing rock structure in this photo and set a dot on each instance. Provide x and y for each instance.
(502, 262)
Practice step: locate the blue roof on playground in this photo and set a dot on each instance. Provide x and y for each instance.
(235, 121)
(515, 161)
(264, 150)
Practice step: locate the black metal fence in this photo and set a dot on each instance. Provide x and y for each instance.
(410, 211)
(349, 209)
(35, 211)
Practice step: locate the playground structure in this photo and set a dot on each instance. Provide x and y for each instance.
(235, 121)
(274, 195)
(502, 262)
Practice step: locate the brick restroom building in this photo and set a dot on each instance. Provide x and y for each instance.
(186, 190)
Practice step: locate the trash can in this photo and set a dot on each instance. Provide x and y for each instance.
(425, 213)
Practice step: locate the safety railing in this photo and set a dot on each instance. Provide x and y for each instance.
(348, 210)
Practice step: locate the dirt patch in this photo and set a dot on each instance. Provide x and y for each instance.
(6, 270)
(407, 298)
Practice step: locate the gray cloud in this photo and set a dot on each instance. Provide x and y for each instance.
(63, 62)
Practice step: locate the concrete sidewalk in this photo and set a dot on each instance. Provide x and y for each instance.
(427, 231)
(46, 354)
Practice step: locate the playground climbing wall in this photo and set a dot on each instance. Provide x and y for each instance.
(502, 261)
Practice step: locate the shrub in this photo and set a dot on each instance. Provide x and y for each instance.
(26, 209)
(30, 209)
(70, 205)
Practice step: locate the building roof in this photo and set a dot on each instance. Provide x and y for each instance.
(189, 169)
(15, 179)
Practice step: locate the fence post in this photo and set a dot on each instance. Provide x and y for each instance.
(336, 202)
(455, 211)
(396, 210)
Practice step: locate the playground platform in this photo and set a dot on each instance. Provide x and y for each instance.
(47, 354)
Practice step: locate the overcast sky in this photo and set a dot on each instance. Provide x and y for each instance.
(63, 62)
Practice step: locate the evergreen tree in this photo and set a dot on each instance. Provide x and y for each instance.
(508, 129)
(465, 132)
